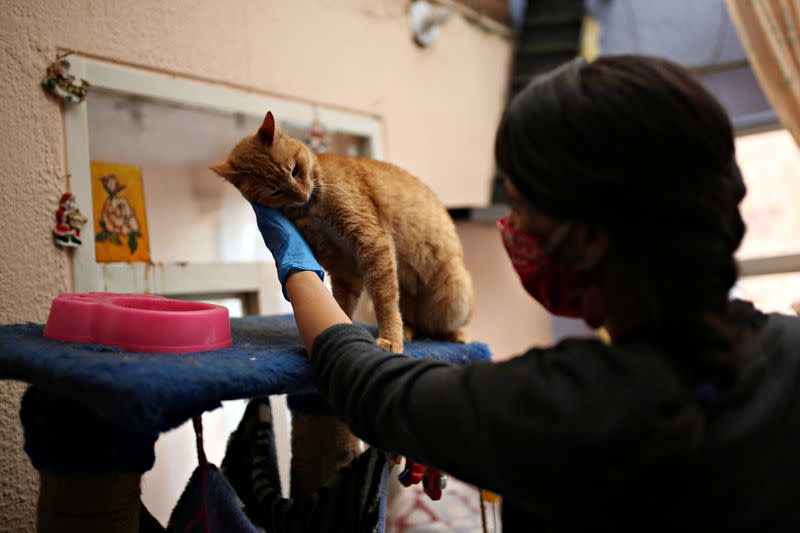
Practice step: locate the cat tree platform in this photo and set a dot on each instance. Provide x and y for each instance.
(94, 412)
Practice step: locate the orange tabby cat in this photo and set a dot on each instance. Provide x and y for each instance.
(370, 224)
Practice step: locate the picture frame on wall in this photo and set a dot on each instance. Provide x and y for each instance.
(120, 218)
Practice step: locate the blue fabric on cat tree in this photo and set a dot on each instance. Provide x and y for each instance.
(151, 393)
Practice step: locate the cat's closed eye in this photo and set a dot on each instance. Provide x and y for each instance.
(276, 192)
(295, 170)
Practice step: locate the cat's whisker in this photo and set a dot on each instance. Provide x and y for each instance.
(316, 192)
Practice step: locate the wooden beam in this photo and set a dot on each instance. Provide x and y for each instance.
(719, 67)
(494, 9)
(760, 266)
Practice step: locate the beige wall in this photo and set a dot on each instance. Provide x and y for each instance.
(188, 207)
(439, 107)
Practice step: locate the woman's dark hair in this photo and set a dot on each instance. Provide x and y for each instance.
(636, 145)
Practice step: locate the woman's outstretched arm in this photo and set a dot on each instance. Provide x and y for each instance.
(315, 309)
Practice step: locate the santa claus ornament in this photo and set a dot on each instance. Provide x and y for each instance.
(69, 221)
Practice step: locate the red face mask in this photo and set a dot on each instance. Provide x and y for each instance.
(562, 290)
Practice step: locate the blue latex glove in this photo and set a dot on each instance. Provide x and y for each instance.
(289, 248)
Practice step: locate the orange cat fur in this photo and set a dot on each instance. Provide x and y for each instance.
(370, 224)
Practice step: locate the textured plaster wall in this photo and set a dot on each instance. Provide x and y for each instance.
(439, 108)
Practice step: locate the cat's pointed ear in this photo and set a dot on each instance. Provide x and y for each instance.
(224, 170)
(267, 129)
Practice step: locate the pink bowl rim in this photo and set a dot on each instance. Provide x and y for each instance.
(201, 307)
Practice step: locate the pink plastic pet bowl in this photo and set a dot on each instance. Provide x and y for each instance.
(138, 322)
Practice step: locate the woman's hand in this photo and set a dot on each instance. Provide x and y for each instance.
(291, 252)
(315, 309)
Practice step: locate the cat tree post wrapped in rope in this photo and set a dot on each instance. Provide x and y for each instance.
(88, 504)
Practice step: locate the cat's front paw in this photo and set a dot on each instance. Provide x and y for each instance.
(392, 346)
(456, 336)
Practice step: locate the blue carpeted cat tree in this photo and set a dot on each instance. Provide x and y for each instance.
(92, 413)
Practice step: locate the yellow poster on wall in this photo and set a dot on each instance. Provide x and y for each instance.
(120, 222)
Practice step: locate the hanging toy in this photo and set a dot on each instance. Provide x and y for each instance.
(433, 481)
(316, 136)
(412, 474)
(69, 221)
(60, 83)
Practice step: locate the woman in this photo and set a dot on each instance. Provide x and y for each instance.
(624, 196)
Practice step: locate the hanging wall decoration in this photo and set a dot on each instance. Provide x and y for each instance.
(120, 222)
(316, 137)
(69, 221)
(60, 83)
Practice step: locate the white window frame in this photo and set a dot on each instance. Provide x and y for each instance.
(185, 278)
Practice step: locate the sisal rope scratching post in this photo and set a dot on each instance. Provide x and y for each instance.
(88, 503)
(321, 444)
